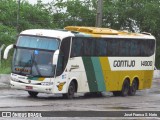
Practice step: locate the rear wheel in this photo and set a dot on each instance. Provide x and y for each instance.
(125, 88)
(133, 88)
(71, 91)
(33, 94)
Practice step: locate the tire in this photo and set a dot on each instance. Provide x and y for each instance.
(116, 93)
(33, 94)
(71, 91)
(133, 88)
(125, 88)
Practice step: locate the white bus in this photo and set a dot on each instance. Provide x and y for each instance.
(82, 59)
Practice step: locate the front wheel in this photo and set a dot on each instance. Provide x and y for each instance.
(71, 91)
(33, 94)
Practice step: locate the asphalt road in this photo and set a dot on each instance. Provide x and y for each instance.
(16, 100)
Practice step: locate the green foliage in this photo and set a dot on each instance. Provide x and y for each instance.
(5, 66)
(135, 16)
(8, 35)
(73, 12)
(8, 10)
(132, 15)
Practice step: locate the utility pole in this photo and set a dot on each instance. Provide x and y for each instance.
(18, 14)
(99, 13)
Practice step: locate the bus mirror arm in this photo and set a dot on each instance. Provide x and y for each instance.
(6, 51)
(55, 57)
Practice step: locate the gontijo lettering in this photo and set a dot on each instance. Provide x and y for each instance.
(124, 63)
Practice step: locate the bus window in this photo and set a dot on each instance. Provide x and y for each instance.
(38, 42)
(134, 49)
(89, 47)
(60, 64)
(63, 55)
(77, 45)
(113, 47)
(151, 47)
(124, 49)
(101, 47)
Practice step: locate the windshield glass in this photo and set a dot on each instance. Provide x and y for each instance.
(38, 42)
(34, 56)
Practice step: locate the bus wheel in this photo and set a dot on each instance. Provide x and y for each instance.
(133, 88)
(71, 91)
(33, 94)
(116, 93)
(125, 88)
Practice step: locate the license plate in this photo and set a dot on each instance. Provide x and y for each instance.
(29, 87)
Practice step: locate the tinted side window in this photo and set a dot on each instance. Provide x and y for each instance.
(89, 47)
(117, 47)
(147, 47)
(151, 49)
(113, 47)
(77, 47)
(134, 49)
(101, 47)
(63, 56)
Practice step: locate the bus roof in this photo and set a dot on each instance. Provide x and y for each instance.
(107, 31)
(71, 31)
(48, 33)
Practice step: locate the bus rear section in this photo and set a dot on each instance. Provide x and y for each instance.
(115, 61)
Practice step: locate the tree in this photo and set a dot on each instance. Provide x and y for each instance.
(73, 12)
(132, 15)
(135, 16)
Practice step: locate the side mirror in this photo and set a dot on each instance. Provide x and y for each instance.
(6, 51)
(55, 57)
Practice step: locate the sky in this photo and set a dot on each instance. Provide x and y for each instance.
(35, 1)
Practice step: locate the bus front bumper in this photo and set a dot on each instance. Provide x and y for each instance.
(31, 87)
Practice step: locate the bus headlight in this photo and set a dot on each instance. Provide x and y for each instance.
(14, 79)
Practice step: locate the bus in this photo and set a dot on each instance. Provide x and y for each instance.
(80, 59)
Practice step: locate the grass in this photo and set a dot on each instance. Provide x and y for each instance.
(5, 66)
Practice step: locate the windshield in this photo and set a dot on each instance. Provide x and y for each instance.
(34, 56)
(38, 42)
